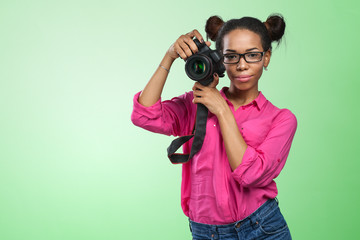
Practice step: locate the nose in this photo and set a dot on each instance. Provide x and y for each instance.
(242, 64)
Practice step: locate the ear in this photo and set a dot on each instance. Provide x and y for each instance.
(267, 57)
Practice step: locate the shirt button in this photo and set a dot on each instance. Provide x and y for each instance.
(214, 125)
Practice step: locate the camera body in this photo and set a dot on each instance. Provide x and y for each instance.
(202, 65)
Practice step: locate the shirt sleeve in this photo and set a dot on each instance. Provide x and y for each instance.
(261, 165)
(170, 117)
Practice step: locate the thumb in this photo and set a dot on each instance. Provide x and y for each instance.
(215, 82)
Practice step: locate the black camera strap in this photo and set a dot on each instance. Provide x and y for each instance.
(200, 130)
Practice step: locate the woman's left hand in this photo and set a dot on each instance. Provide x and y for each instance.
(210, 96)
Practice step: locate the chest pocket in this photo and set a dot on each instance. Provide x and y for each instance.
(255, 131)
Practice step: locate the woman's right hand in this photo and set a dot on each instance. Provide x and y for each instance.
(184, 46)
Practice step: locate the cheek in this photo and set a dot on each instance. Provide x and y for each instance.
(230, 69)
(257, 68)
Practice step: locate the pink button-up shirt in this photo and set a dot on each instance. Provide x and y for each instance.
(211, 192)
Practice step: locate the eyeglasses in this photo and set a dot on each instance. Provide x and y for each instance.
(250, 57)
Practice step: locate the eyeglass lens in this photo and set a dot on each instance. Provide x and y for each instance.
(249, 57)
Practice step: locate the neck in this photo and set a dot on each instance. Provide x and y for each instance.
(242, 97)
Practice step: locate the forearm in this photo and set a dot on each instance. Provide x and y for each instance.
(153, 89)
(235, 145)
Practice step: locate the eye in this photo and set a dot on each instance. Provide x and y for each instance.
(253, 55)
(230, 56)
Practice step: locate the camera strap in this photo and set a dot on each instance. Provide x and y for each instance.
(199, 135)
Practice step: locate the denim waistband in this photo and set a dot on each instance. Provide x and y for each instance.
(264, 210)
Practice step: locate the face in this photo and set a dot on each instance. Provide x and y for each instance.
(244, 76)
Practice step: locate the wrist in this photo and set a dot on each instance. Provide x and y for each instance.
(224, 113)
(168, 57)
(167, 61)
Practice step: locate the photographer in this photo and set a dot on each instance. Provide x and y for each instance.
(228, 189)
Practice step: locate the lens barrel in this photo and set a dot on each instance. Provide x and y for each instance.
(202, 65)
(198, 67)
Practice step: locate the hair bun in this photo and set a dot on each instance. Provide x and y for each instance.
(212, 27)
(275, 25)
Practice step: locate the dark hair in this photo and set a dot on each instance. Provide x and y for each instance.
(270, 30)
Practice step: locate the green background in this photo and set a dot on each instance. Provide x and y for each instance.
(72, 165)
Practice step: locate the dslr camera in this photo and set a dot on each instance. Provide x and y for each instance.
(202, 65)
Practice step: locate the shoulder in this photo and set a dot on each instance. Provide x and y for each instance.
(282, 115)
(285, 115)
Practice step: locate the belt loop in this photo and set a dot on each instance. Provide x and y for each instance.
(253, 220)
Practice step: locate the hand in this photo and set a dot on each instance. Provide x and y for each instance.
(184, 46)
(210, 97)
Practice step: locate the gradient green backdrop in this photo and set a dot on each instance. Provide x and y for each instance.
(72, 165)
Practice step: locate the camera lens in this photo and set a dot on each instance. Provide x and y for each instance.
(198, 67)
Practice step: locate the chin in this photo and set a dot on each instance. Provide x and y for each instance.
(243, 86)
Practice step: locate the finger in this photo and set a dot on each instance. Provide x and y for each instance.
(186, 49)
(198, 86)
(197, 94)
(198, 35)
(192, 45)
(180, 52)
(197, 100)
(191, 34)
(208, 43)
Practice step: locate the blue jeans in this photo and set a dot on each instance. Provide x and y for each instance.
(266, 222)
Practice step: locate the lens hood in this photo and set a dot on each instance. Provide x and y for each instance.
(198, 67)
(202, 65)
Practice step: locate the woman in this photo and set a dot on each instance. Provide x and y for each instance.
(228, 189)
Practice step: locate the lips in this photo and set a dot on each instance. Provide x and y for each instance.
(243, 78)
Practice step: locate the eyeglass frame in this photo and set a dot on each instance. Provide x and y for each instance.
(243, 55)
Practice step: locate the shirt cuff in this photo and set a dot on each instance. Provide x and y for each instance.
(247, 161)
(151, 112)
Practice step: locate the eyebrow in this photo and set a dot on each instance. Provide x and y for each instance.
(247, 50)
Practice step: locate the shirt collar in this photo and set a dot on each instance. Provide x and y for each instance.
(259, 101)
